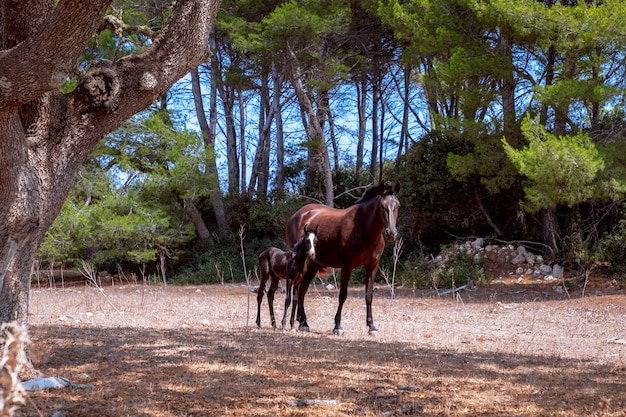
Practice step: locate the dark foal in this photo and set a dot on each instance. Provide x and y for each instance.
(278, 264)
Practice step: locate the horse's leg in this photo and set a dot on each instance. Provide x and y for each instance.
(270, 298)
(303, 287)
(370, 272)
(343, 294)
(287, 303)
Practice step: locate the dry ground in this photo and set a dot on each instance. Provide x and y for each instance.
(512, 348)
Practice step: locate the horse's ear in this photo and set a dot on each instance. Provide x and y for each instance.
(396, 189)
(306, 228)
(381, 186)
(316, 227)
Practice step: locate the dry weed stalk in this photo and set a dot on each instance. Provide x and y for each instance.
(245, 272)
(13, 359)
(89, 272)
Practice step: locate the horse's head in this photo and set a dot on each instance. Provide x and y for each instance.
(389, 205)
(310, 240)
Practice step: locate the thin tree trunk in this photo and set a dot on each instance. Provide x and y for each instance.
(227, 95)
(550, 228)
(375, 104)
(208, 134)
(263, 148)
(196, 218)
(315, 132)
(551, 62)
(280, 145)
(361, 91)
(403, 144)
(242, 140)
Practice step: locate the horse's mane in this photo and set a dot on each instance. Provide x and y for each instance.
(298, 245)
(374, 191)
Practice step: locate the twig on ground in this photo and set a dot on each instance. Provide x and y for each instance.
(302, 402)
(454, 290)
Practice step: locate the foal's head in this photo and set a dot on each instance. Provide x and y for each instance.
(309, 240)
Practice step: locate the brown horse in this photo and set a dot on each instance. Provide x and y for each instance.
(278, 264)
(348, 238)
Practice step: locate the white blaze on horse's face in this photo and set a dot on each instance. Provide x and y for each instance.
(390, 204)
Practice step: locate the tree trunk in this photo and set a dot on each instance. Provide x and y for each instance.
(212, 173)
(403, 144)
(375, 103)
(550, 229)
(315, 132)
(550, 73)
(45, 136)
(262, 159)
(361, 92)
(196, 218)
(280, 145)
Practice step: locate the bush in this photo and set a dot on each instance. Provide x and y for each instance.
(612, 247)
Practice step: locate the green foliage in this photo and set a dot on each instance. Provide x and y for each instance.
(433, 200)
(562, 170)
(116, 228)
(218, 265)
(612, 247)
(138, 223)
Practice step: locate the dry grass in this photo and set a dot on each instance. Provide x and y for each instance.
(503, 350)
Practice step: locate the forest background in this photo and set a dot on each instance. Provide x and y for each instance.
(502, 119)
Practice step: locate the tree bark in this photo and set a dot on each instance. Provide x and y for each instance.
(45, 136)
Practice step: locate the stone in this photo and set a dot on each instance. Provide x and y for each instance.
(478, 243)
(518, 259)
(557, 271)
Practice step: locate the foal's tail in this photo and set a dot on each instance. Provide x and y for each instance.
(265, 268)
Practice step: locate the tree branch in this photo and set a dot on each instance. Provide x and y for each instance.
(56, 44)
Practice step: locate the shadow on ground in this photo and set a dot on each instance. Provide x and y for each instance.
(250, 372)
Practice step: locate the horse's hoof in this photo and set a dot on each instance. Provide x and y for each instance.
(304, 328)
(338, 332)
(373, 333)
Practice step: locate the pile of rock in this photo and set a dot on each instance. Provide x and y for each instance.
(517, 258)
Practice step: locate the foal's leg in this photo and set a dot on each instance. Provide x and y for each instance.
(270, 298)
(264, 268)
(343, 294)
(296, 291)
(287, 303)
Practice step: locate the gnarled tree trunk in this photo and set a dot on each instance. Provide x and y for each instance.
(45, 135)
